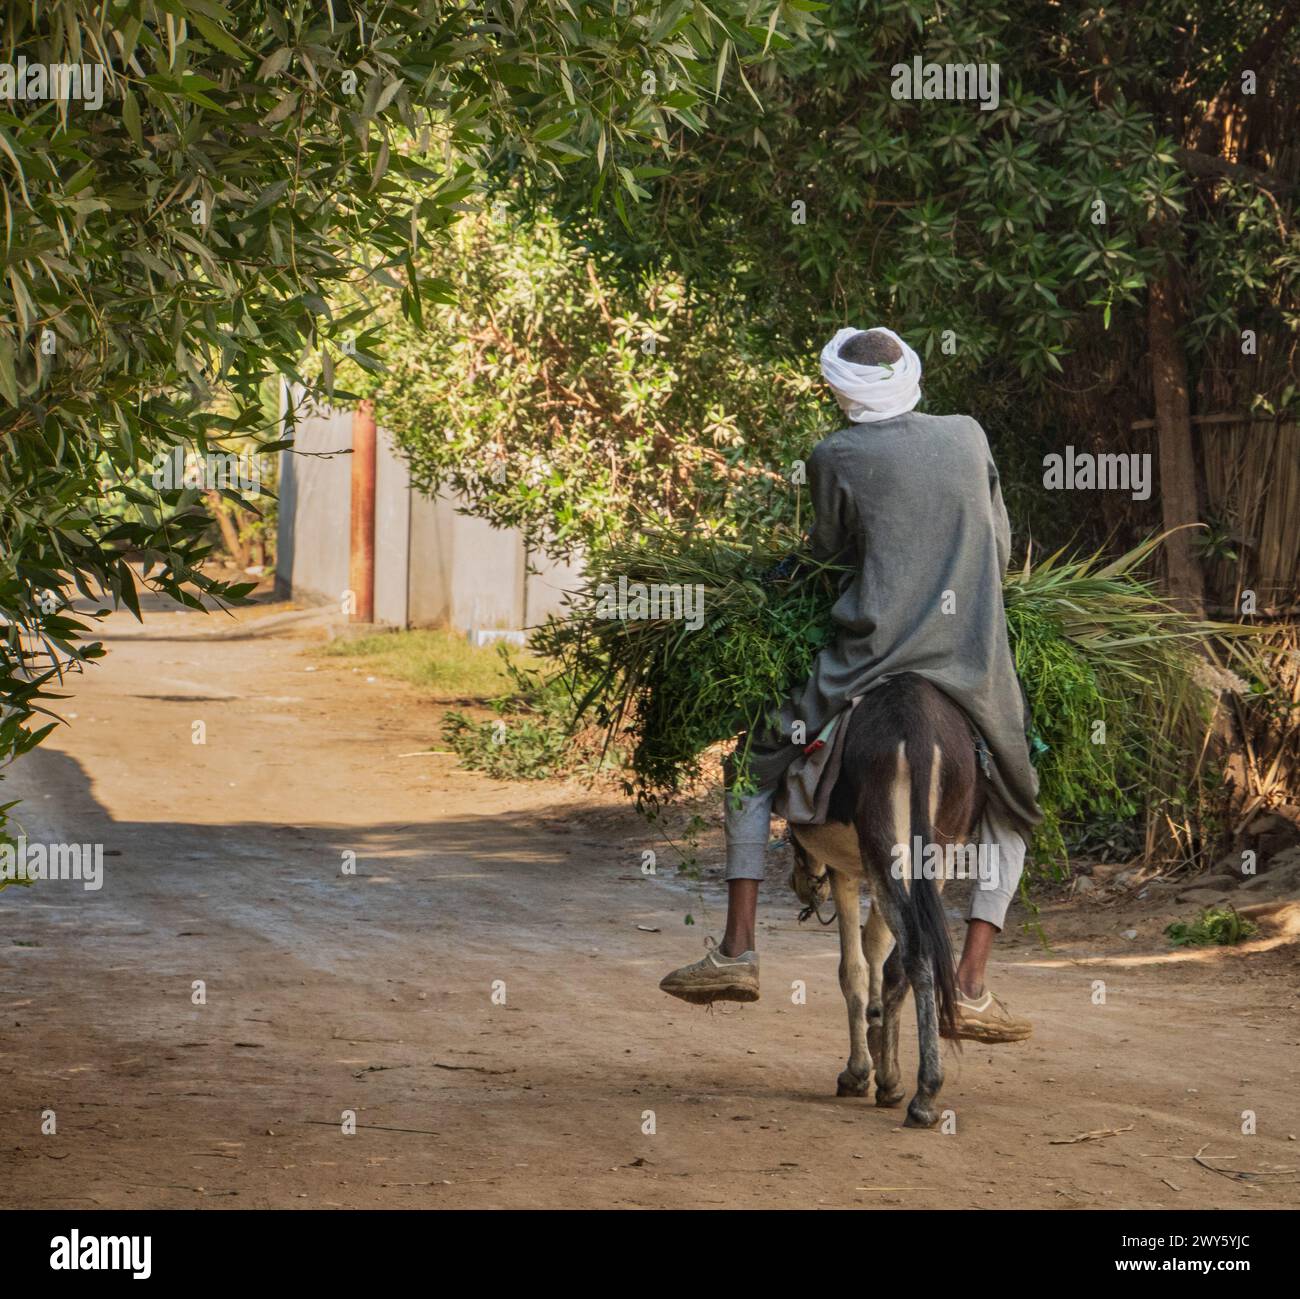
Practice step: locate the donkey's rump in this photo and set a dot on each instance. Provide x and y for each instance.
(906, 705)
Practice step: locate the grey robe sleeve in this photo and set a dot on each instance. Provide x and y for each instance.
(1001, 523)
(831, 534)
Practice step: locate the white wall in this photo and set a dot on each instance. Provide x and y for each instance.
(315, 509)
(433, 565)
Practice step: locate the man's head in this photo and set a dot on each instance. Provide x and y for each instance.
(870, 347)
(872, 372)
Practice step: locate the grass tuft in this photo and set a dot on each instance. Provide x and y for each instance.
(441, 662)
(1223, 926)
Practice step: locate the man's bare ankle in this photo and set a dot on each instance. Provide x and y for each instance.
(735, 947)
(968, 987)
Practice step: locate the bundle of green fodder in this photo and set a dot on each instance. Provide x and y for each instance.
(1113, 673)
(666, 690)
(1121, 688)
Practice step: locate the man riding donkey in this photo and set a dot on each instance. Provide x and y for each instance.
(911, 503)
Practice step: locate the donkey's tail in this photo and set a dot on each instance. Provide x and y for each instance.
(924, 923)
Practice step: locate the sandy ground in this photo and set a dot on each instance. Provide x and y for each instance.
(481, 993)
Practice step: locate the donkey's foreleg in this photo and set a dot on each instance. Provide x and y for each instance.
(889, 1086)
(877, 943)
(854, 984)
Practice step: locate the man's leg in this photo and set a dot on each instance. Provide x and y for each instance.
(975, 957)
(747, 819)
(729, 972)
(742, 915)
(981, 1017)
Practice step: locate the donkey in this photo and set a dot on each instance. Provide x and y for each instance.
(908, 772)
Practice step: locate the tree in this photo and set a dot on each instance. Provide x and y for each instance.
(555, 400)
(180, 214)
(1079, 256)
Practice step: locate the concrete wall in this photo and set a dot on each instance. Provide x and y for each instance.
(393, 498)
(433, 565)
(432, 544)
(315, 505)
(546, 586)
(488, 574)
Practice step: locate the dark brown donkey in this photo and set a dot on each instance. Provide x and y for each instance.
(908, 775)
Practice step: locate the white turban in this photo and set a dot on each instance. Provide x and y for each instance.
(871, 393)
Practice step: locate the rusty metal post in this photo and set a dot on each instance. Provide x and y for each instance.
(361, 569)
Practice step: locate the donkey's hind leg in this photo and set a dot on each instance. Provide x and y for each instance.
(915, 969)
(922, 1111)
(854, 984)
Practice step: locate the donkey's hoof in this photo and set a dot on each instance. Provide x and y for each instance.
(920, 1116)
(851, 1084)
(888, 1097)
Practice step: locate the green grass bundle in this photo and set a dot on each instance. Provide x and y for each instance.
(1110, 669)
(1119, 709)
(677, 691)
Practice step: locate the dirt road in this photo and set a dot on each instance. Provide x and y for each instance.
(481, 993)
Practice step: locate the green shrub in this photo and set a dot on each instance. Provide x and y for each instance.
(532, 736)
(1222, 925)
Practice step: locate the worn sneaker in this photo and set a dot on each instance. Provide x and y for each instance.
(986, 1019)
(715, 977)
